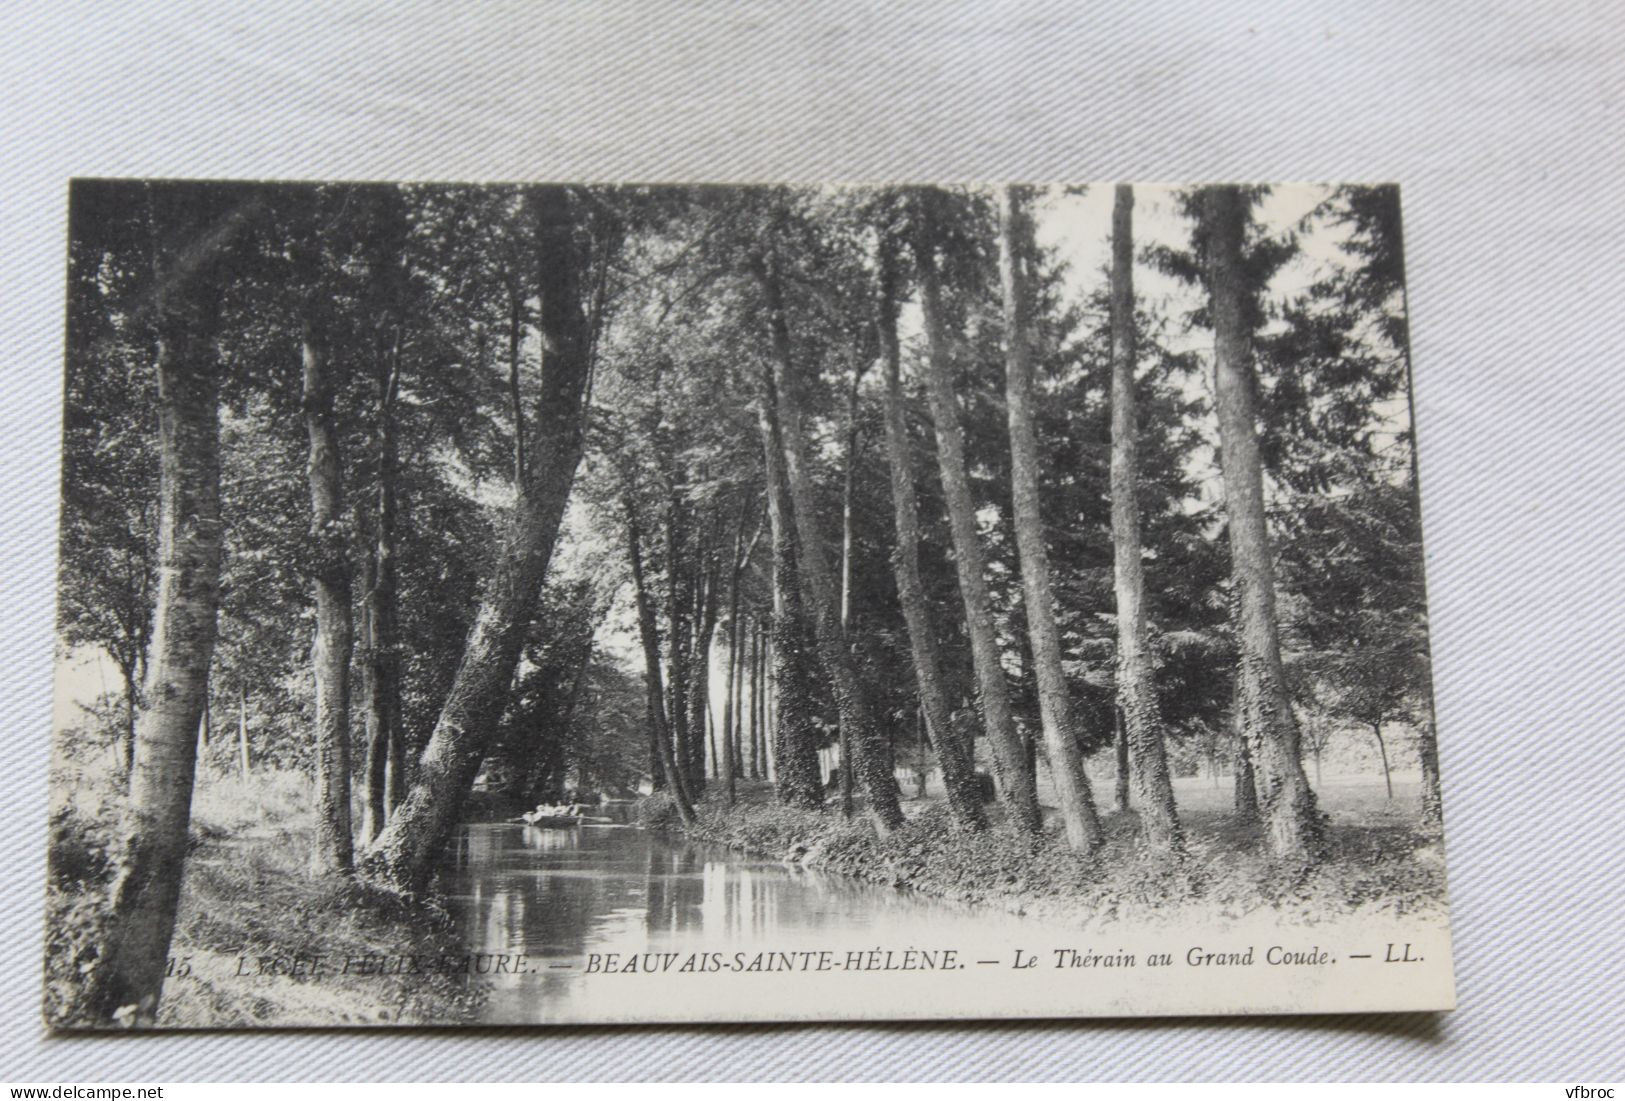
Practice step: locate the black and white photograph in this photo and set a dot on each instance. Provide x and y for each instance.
(578, 603)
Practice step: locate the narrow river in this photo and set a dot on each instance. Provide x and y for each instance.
(567, 899)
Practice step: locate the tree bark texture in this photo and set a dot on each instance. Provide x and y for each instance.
(729, 756)
(649, 635)
(1055, 709)
(333, 853)
(406, 852)
(848, 459)
(1287, 802)
(1120, 743)
(993, 691)
(128, 977)
(679, 602)
(706, 604)
(795, 735)
(872, 757)
(381, 658)
(758, 713)
(952, 751)
(1136, 689)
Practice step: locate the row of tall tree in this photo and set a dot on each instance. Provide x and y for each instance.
(325, 444)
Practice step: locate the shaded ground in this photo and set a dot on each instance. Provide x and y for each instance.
(247, 895)
(1381, 860)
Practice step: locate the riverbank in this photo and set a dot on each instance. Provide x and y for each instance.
(1381, 861)
(250, 921)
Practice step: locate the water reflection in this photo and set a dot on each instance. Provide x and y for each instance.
(558, 895)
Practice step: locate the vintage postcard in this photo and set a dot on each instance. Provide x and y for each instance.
(522, 604)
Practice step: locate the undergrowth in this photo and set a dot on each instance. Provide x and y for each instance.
(1376, 863)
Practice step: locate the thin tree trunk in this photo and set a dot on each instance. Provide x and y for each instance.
(1287, 802)
(648, 633)
(377, 755)
(740, 676)
(752, 763)
(758, 701)
(770, 709)
(132, 695)
(516, 321)
(407, 851)
(243, 761)
(706, 604)
(1121, 742)
(677, 640)
(873, 761)
(1009, 757)
(711, 740)
(330, 653)
(380, 616)
(730, 709)
(129, 973)
(1055, 709)
(730, 756)
(952, 752)
(848, 460)
(1136, 691)
(1382, 748)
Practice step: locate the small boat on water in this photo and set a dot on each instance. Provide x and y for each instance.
(547, 817)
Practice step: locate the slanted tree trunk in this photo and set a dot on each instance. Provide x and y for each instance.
(1382, 749)
(711, 741)
(1136, 691)
(333, 853)
(1287, 802)
(819, 591)
(1055, 709)
(380, 617)
(952, 752)
(407, 851)
(128, 978)
(648, 633)
(993, 691)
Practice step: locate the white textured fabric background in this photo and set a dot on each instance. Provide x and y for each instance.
(1502, 121)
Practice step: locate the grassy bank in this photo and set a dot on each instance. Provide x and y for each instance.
(1381, 860)
(248, 898)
